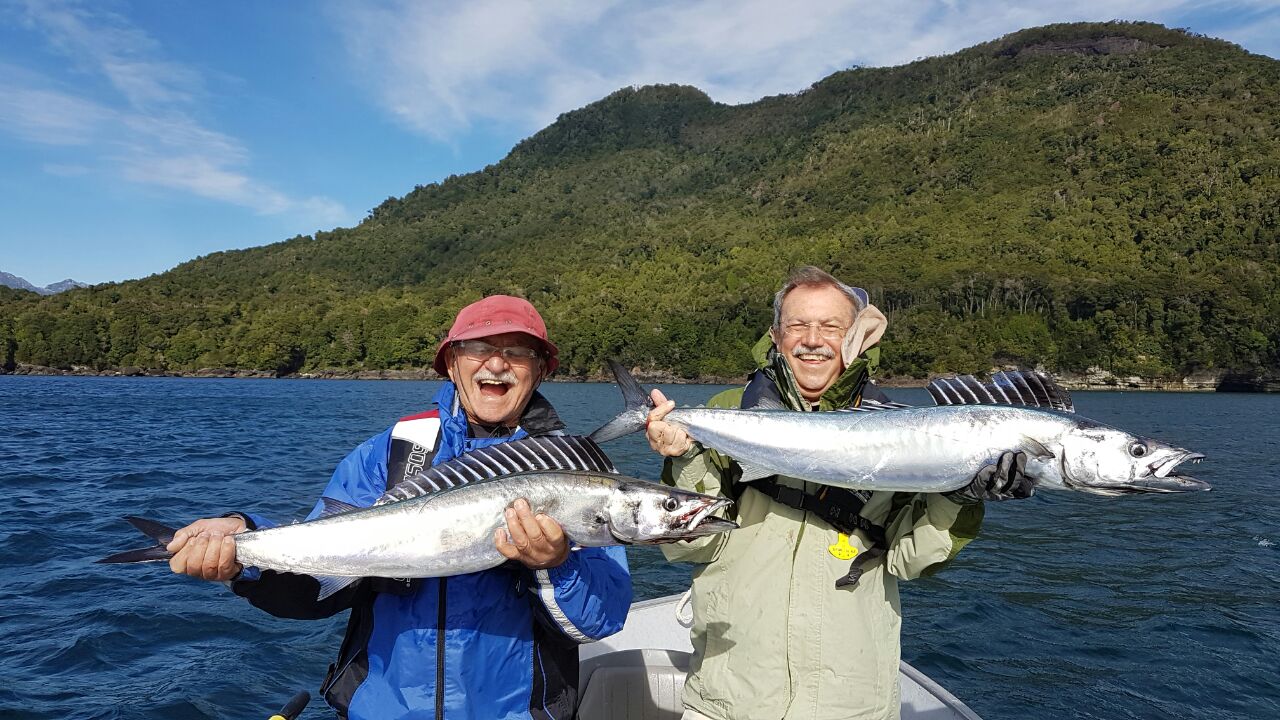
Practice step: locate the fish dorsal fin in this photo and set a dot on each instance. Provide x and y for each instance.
(1027, 388)
(548, 452)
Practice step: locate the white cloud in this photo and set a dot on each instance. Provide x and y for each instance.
(1256, 34)
(98, 41)
(140, 123)
(447, 51)
(440, 68)
(48, 116)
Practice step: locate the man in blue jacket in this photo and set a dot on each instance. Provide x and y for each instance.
(501, 643)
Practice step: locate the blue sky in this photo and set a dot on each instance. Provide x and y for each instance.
(138, 135)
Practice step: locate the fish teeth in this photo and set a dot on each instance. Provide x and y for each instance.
(703, 513)
(697, 518)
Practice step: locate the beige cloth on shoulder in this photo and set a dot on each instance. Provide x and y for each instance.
(867, 330)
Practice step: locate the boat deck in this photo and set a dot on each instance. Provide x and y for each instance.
(639, 673)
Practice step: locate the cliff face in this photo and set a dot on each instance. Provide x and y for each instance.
(1094, 379)
(1098, 379)
(1251, 382)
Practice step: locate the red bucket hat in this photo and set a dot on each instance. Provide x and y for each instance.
(495, 315)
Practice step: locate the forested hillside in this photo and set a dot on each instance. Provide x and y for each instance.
(1070, 196)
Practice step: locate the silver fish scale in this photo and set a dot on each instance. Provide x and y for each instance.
(886, 446)
(902, 450)
(433, 535)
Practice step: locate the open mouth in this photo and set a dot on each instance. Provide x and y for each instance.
(695, 518)
(1163, 479)
(1164, 467)
(493, 388)
(813, 358)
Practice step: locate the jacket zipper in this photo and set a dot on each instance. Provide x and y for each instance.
(440, 620)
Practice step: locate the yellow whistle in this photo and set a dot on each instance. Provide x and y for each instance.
(842, 550)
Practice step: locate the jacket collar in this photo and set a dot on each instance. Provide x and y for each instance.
(539, 417)
(772, 367)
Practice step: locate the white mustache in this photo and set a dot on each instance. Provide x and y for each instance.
(505, 376)
(822, 350)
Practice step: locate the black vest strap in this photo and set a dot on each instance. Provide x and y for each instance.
(840, 508)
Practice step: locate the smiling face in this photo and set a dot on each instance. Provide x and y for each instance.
(811, 313)
(494, 387)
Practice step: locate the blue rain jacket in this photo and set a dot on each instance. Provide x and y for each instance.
(503, 642)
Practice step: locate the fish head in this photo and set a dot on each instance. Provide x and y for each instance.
(1105, 461)
(646, 513)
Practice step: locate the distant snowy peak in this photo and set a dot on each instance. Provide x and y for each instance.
(60, 286)
(18, 283)
(13, 281)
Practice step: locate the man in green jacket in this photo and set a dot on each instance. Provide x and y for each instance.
(796, 614)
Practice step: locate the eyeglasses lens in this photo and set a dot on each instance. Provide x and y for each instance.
(480, 350)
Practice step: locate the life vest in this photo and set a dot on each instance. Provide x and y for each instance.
(839, 507)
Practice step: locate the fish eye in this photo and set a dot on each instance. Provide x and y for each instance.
(1137, 449)
(670, 504)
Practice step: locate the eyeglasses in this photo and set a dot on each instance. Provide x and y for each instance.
(826, 331)
(481, 350)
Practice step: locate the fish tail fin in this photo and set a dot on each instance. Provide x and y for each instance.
(162, 534)
(634, 416)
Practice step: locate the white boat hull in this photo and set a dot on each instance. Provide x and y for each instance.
(639, 673)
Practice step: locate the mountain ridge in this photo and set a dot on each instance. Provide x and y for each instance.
(1071, 197)
(12, 281)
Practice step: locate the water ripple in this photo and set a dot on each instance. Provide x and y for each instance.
(1066, 606)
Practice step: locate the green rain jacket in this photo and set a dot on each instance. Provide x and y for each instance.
(772, 635)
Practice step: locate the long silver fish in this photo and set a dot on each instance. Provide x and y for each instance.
(442, 521)
(928, 449)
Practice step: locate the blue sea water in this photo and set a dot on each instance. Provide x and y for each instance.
(1067, 606)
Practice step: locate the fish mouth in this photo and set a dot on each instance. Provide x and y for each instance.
(711, 526)
(1162, 468)
(700, 521)
(1167, 484)
(1163, 480)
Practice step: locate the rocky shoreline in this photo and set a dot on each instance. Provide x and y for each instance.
(1095, 379)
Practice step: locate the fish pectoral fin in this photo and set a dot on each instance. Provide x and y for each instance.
(753, 472)
(1034, 448)
(770, 403)
(334, 507)
(330, 584)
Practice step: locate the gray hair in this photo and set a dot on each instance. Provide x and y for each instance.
(809, 276)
